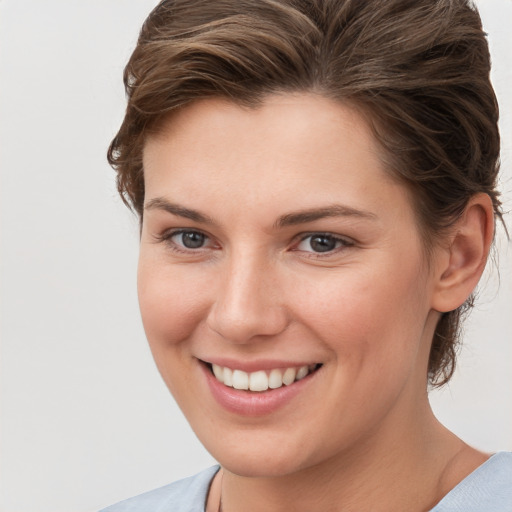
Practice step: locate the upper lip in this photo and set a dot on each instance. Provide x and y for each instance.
(255, 365)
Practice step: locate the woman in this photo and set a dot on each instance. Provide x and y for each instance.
(316, 184)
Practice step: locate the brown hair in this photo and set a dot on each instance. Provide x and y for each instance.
(417, 69)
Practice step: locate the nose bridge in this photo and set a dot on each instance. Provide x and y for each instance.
(247, 303)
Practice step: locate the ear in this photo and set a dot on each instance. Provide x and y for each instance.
(460, 263)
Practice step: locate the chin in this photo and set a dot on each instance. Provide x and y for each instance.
(260, 466)
(260, 459)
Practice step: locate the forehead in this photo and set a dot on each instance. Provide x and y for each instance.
(298, 125)
(291, 149)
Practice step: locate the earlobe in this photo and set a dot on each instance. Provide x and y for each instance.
(465, 256)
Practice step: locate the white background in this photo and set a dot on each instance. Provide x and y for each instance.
(85, 419)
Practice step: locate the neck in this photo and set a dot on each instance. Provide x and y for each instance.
(408, 468)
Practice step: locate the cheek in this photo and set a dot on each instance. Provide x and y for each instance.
(376, 315)
(171, 307)
(171, 302)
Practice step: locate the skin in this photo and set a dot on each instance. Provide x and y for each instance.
(257, 290)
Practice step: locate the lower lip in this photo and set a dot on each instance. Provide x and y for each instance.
(249, 403)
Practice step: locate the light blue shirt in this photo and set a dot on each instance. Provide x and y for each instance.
(487, 489)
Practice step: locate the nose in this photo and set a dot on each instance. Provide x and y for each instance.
(247, 303)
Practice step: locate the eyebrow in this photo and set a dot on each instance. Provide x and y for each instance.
(288, 219)
(310, 215)
(159, 203)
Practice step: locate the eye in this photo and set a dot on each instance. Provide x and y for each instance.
(186, 240)
(189, 239)
(322, 243)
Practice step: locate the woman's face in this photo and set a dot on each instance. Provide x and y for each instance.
(273, 240)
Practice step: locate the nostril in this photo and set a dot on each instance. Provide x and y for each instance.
(245, 309)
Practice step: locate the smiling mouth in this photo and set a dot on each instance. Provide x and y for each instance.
(261, 380)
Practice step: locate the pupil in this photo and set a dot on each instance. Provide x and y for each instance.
(322, 243)
(192, 240)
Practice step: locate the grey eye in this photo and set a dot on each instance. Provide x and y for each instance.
(323, 243)
(190, 239)
(319, 243)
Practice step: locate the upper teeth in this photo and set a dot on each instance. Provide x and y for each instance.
(260, 380)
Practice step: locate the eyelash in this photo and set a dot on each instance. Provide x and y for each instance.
(167, 236)
(344, 243)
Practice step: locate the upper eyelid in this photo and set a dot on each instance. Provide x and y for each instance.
(167, 234)
(300, 236)
(343, 238)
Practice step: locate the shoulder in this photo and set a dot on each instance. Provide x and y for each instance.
(187, 495)
(488, 488)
